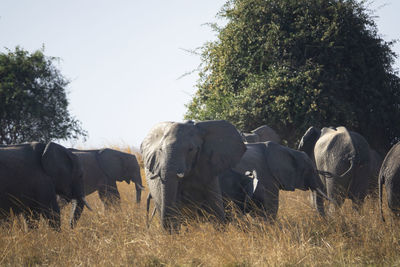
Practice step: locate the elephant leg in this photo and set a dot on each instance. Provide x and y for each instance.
(271, 203)
(109, 195)
(32, 219)
(214, 203)
(318, 203)
(358, 188)
(52, 214)
(76, 212)
(266, 201)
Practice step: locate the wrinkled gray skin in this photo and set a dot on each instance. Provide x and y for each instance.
(279, 168)
(262, 134)
(390, 176)
(102, 168)
(342, 158)
(238, 188)
(375, 165)
(30, 177)
(182, 162)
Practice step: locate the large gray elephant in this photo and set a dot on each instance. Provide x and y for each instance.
(102, 168)
(279, 168)
(30, 177)
(342, 158)
(390, 176)
(262, 134)
(182, 162)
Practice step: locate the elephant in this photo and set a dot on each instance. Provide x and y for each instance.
(261, 134)
(182, 162)
(102, 168)
(279, 168)
(238, 188)
(342, 159)
(375, 166)
(32, 174)
(389, 175)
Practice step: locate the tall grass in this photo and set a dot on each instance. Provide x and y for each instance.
(298, 237)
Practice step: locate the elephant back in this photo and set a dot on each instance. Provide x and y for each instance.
(362, 147)
(92, 173)
(266, 133)
(391, 163)
(343, 153)
(333, 149)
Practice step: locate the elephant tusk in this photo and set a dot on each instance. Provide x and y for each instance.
(86, 203)
(74, 204)
(180, 175)
(255, 183)
(140, 187)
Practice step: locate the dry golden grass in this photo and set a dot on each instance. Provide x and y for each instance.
(298, 237)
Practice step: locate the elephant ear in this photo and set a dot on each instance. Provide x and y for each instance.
(59, 163)
(111, 163)
(222, 147)
(150, 147)
(309, 139)
(282, 166)
(266, 133)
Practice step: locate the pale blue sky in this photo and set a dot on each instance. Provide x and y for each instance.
(124, 58)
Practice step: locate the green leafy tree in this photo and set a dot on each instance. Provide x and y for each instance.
(292, 64)
(33, 102)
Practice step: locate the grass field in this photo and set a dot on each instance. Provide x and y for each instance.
(298, 237)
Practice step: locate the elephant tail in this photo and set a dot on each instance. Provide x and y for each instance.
(380, 183)
(351, 159)
(328, 174)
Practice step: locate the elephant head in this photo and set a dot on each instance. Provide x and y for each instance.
(187, 156)
(308, 141)
(66, 172)
(251, 138)
(121, 166)
(266, 133)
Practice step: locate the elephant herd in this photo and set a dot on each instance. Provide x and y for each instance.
(197, 168)
(193, 167)
(36, 177)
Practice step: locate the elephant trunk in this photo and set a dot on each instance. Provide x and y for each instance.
(169, 207)
(78, 201)
(318, 189)
(137, 179)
